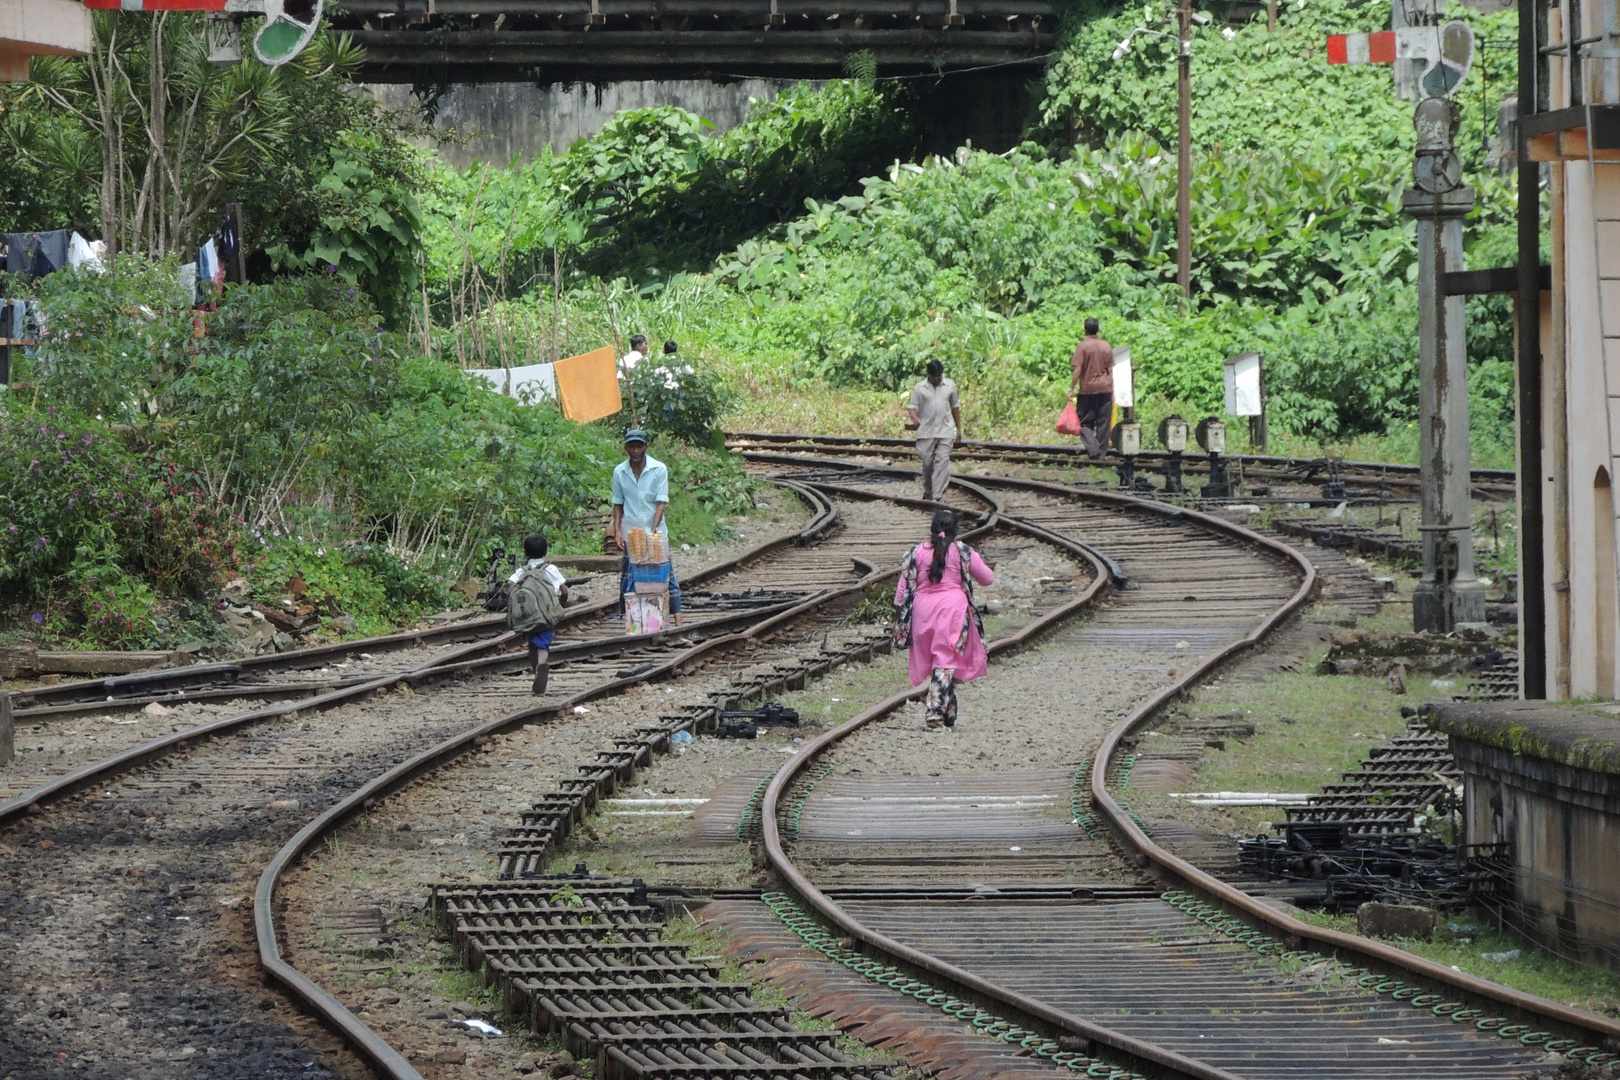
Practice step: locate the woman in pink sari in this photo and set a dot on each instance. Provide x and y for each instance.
(938, 618)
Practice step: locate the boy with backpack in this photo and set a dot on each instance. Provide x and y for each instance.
(537, 593)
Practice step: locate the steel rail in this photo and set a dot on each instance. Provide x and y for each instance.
(455, 661)
(1132, 835)
(40, 700)
(1136, 1049)
(327, 1007)
(97, 771)
(886, 444)
(1183, 873)
(37, 702)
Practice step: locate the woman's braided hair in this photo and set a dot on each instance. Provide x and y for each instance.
(942, 534)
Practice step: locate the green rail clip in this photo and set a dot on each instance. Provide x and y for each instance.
(1266, 945)
(986, 1023)
(795, 809)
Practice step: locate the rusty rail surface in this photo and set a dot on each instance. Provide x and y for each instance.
(367, 1042)
(1397, 481)
(217, 680)
(1169, 867)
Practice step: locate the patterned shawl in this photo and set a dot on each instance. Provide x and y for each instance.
(908, 575)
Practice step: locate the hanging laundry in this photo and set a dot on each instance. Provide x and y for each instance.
(497, 378)
(588, 386)
(83, 253)
(230, 246)
(537, 381)
(186, 285)
(36, 253)
(209, 268)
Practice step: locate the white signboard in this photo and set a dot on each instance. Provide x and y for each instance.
(1124, 392)
(1243, 385)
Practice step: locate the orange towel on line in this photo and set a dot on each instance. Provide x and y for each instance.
(588, 385)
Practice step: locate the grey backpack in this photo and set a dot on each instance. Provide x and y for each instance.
(534, 604)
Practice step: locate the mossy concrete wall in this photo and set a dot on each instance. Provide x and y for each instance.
(1546, 781)
(503, 122)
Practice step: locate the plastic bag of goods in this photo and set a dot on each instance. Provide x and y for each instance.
(644, 613)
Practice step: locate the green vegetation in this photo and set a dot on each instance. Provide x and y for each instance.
(298, 443)
(991, 262)
(319, 432)
(1309, 728)
(1465, 937)
(143, 142)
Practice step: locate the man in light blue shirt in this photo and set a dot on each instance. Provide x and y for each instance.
(640, 494)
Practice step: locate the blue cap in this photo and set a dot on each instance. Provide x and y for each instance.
(635, 434)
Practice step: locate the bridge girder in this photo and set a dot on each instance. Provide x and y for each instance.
(596, 41)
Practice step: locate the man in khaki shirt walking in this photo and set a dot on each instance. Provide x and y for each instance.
(1092, 390)
(936, 413)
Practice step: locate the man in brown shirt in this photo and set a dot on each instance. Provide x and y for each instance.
(1092, 390)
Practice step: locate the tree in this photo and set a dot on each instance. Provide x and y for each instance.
(151, 137)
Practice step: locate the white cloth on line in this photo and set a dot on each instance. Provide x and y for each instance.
(83, 253)
(536, 381)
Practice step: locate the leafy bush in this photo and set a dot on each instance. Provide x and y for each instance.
(107, 606)
(363, 580)
(677, 399)
(65, 488)
(191, 537)
(80, 508)
(367, 226)
(115, 341)
(324, 175)
(654, 194)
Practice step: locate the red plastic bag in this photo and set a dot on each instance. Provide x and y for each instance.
(1069, 422)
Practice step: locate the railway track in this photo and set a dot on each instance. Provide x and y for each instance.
(184, 815)
(1028, 964)
(1367, 478)
(285, 676)
(162, 834)
(1178, 983)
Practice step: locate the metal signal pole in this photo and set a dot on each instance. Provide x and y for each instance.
(1184, 153)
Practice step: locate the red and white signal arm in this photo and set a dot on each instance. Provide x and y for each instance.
(288, 24)
(155, 5)
(1447, 52)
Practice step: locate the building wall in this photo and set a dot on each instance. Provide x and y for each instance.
(503, 122)
(40, 28)
(1583, 424)
(1563, 827)
(1591, 596)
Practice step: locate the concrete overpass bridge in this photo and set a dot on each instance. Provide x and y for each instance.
(603, 41)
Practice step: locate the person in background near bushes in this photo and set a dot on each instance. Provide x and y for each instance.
(936, 413)
(937, 616)
(1092, 390)
(640, 494)
(637, 353)
(670, 348)
(535, 547)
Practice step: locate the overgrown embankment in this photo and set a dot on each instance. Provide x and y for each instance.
(297, 443)
(806, 263)
(991, 262)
